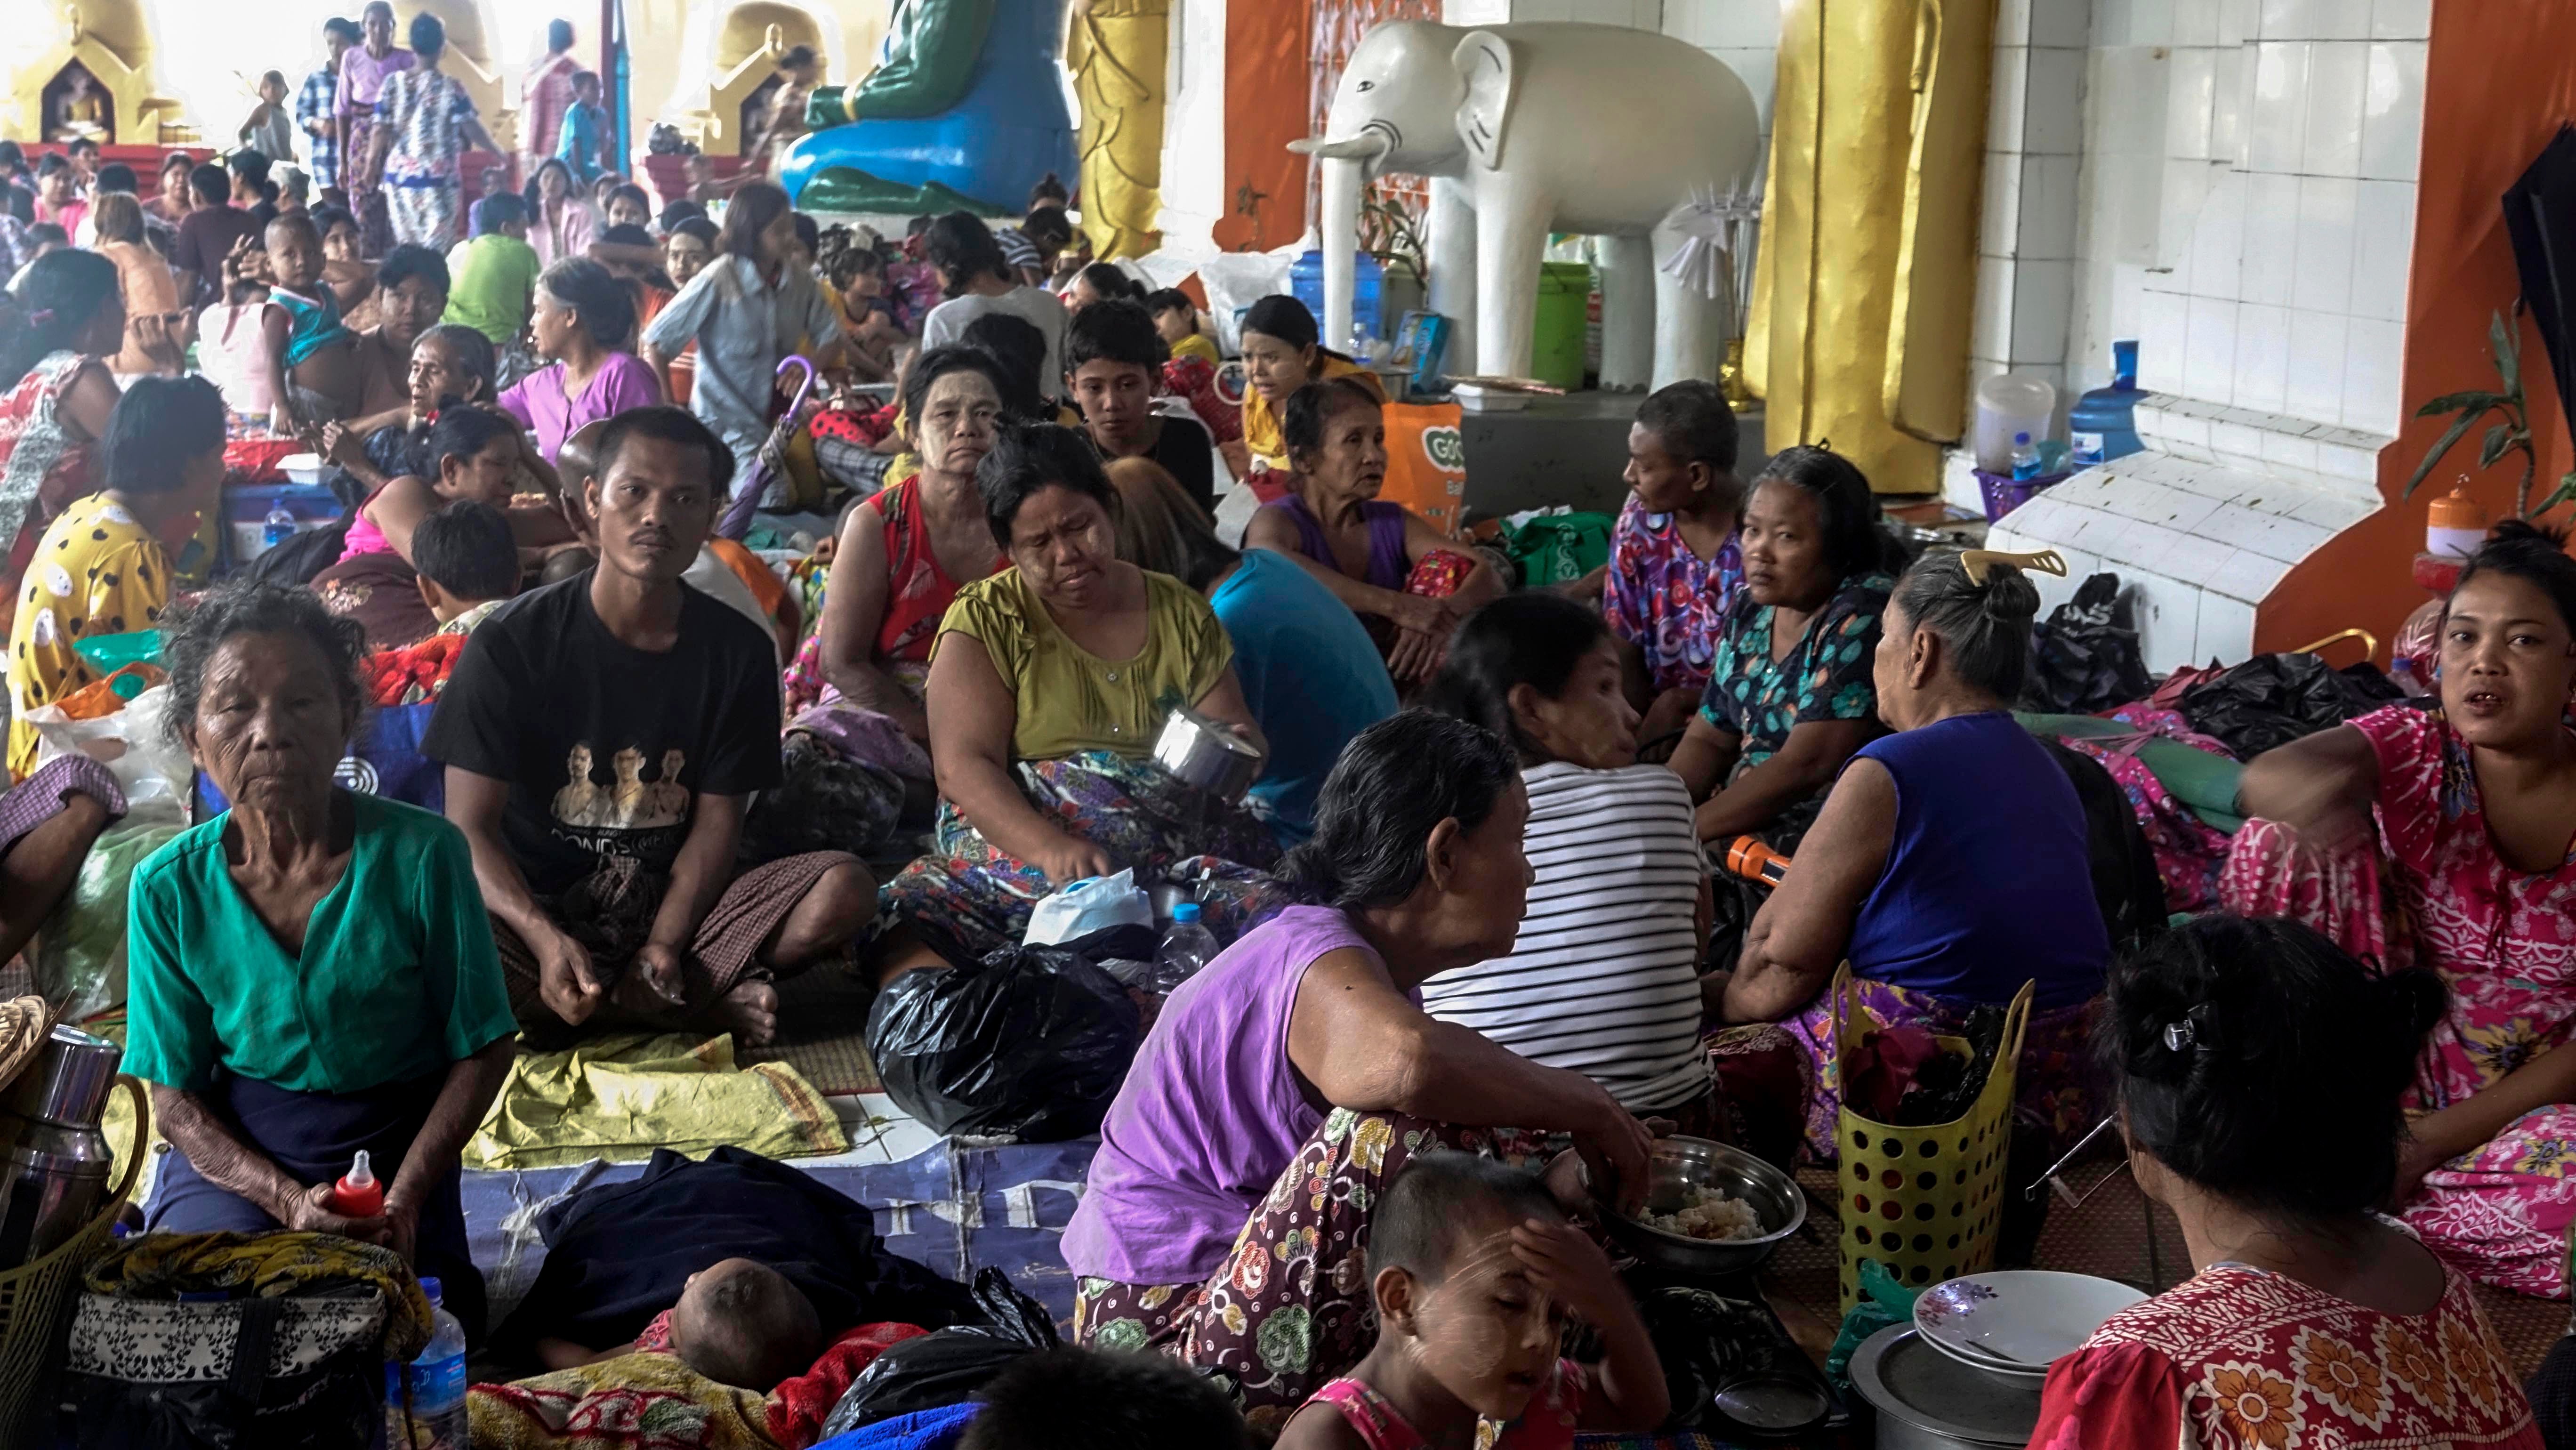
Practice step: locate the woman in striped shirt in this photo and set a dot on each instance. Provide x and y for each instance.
(1603, 978)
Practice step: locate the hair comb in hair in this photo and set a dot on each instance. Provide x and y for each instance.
(1975, 562)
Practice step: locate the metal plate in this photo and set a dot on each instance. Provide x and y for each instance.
(1775, 1404)
(1905, 1378)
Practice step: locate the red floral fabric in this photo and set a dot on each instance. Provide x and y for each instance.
(2240, 1359)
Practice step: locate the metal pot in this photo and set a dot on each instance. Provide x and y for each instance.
(53, 1158)
(1928, 1401)
(1206, 754)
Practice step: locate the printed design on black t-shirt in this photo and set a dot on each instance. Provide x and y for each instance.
(627, 816)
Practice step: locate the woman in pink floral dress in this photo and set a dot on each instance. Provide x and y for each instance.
(2311, 1322)
(2443, 838)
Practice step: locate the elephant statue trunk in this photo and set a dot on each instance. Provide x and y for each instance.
(1347, 164)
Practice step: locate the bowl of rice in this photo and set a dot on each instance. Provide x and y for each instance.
(1710, 1209)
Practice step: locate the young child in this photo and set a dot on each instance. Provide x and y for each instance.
(313, 374)
(269, 130)
(585, 125)
(738, 1322)
(1176, 317)
(1087, 1399)
(468, 563)
(1476, 1270)
(857, 272)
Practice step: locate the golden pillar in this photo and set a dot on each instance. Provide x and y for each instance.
(1867, 275)
(1116, 50)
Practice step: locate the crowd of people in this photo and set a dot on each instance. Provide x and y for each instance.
(1469, 907)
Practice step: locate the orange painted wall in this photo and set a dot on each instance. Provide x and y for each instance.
(2497, 85)
(1266, 88)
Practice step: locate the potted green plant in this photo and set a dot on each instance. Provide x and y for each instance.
(2510, 433)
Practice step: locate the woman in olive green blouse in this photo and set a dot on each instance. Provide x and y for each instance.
(1048, 684)
(312, 972)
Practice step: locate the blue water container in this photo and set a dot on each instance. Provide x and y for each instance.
(1306, 284)
(2102, 423)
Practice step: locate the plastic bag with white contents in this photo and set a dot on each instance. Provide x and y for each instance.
(1092, 904)
(149, 767)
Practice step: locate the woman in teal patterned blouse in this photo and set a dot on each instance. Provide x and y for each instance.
(1789, 695)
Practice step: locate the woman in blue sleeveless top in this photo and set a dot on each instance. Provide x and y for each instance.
(1949, 864)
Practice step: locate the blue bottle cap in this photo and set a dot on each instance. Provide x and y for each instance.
(429, 1285)
(1186, 912)
(2021, 438)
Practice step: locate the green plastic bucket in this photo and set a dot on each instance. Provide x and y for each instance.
(1564, 305)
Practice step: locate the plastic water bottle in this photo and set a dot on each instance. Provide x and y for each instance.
(1187, 947)
(278, 527)
(2025, 459)
(435, 1419)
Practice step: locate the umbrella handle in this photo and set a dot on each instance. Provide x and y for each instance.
(804, 389)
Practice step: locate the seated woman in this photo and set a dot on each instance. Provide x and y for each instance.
(1048, 684)
(2311, 1321)
(1386, 562)
(1310, 674)
(472, 453)
(310, 973)
(1604, 979)
(1113, 360)
(105, 566)
(449, 365)
(581, 323)
(2442, 838)
(901, 556)
(1789, 695)
(1282, 353)
(1949, 865)
(1226, 1221)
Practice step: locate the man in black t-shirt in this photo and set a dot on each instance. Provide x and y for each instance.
(1112, 359)
(602, 738)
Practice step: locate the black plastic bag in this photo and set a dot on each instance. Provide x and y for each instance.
(1030, 1041)
(2087, 656)
(2274, 699)
(948, 1367)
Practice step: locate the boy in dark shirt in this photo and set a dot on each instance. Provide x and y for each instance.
(612, 894)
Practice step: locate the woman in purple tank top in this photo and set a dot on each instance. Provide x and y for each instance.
(1283, 1086)
(1409, 583)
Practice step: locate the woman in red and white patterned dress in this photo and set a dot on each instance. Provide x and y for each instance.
(2259, 1071)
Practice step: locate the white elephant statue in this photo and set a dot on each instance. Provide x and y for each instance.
(1530, 129)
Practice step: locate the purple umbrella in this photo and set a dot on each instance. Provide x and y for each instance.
(755, 481)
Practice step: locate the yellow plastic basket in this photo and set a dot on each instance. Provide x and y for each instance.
(1923, 1202)
(36, 1299)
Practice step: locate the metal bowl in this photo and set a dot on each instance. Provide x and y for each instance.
(1676, 1165)
(1205, 754)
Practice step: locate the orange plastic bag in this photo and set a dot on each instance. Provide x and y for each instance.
(1426, 462)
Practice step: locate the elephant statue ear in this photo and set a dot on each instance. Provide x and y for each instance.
(1485, 62)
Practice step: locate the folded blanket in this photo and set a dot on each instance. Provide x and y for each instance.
(635, 1400)
(621, 1097)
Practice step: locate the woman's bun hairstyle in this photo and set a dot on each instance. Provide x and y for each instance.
(2258, 1060)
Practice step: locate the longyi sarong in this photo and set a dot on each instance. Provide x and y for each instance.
(313, 1136)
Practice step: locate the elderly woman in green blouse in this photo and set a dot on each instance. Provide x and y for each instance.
(1048, 684)
(312, 972)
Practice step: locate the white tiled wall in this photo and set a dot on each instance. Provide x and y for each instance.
(1635, 14)
(1743, 33)
(2253, 232)
(2030, 238)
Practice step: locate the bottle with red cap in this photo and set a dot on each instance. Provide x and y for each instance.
(358, 1194)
